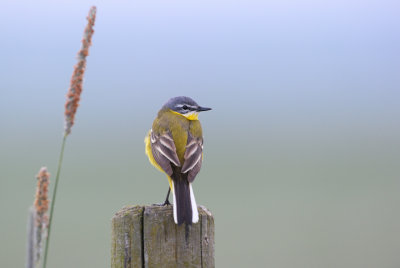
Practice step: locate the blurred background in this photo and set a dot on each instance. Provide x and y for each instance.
(302, 147)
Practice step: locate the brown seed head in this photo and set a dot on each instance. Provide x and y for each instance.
(41, 200)
(75, 89)
(41, 206)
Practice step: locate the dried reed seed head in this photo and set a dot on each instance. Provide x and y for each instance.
(75, 90)
(41, 200)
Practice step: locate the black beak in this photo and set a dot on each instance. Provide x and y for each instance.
(203, 109)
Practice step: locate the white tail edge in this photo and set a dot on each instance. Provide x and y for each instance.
(174, 204)
(195, 213)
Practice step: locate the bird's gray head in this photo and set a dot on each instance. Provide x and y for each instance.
(184, 105)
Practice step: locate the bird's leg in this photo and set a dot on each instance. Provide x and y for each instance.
(166, 202)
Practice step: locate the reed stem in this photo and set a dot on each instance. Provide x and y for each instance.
(31, 245)
(53, 199)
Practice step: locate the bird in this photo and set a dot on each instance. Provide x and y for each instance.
(174, 145)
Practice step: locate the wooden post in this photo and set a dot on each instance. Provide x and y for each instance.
(146, 236)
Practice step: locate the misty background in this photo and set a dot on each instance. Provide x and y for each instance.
(302, 147)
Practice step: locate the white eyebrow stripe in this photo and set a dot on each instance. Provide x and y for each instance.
(188, 105)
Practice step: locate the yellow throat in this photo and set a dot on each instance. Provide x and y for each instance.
(191, 115)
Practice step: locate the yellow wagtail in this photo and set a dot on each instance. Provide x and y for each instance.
(174, 145)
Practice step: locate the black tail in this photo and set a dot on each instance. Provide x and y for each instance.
(182, 197)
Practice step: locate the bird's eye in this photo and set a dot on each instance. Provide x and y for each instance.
(184, 107)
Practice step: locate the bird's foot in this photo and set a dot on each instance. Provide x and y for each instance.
(166, 203)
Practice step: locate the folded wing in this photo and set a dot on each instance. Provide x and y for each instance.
(164, 151)
(193, 157)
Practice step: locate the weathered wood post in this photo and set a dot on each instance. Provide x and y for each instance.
(146, 236)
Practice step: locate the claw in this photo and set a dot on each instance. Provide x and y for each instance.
(166, 203)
